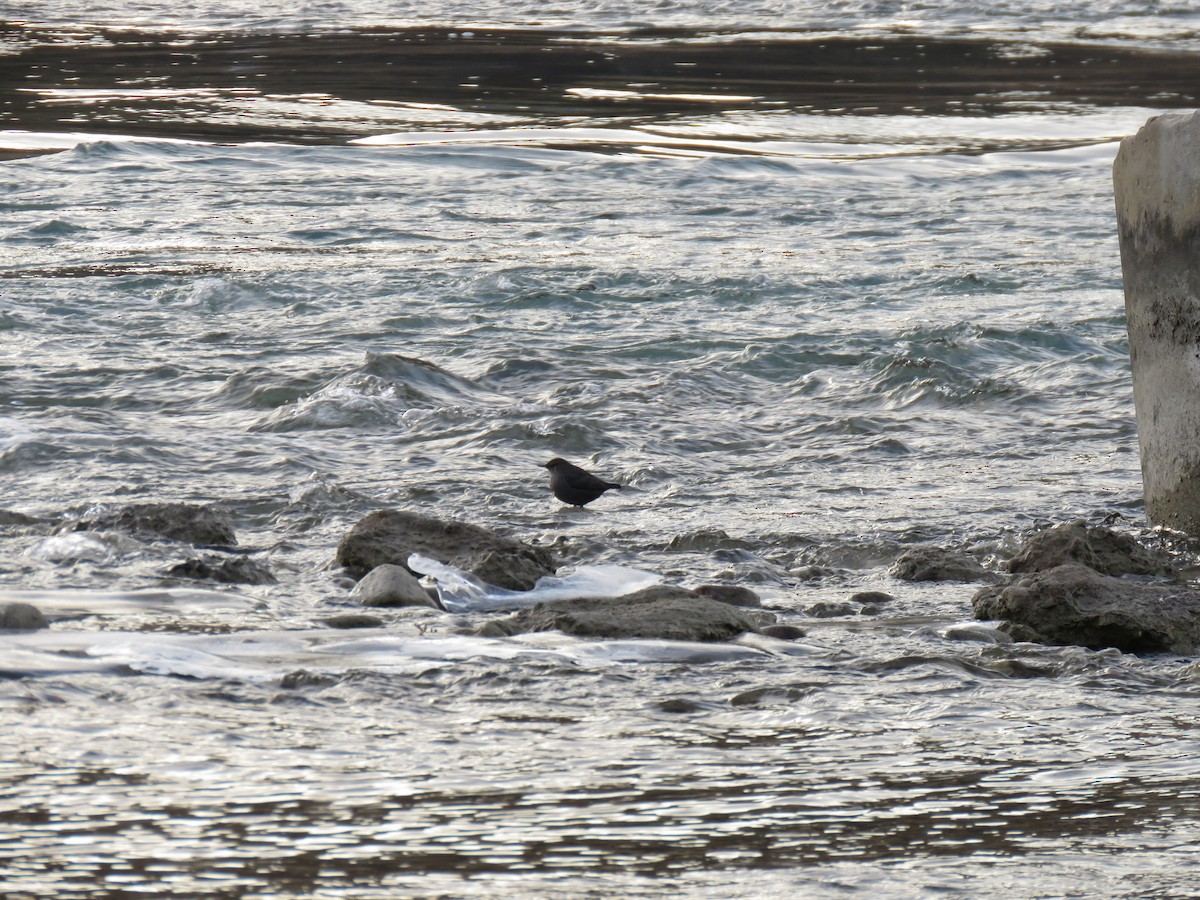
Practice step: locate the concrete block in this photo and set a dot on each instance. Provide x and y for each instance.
(1156, 177)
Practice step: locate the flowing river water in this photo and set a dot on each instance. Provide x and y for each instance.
(817, 287)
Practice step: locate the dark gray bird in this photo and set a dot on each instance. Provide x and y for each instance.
(573, 485)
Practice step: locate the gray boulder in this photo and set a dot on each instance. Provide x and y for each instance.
(189, 523)
(1102, 549)
(390, 585)
(1074, 604)
(939, 564)
(733, 594)
(21, 617)
(392, 536)
(661, 612)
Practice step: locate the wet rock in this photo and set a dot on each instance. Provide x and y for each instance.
(1074, 604)
(814, 573)
(678, 706)
(353, 620)
(874, 598)
(1020, 633)
(304, 678)
(489, 629)
(733, 594)
(21, 617)
(773, 695)
(225, 570)
(829, 609)
(1102, 549)
(978, 633)
(783, 632)
(707, 539)
(390, 585)
(9, 517)
(939, 564)
(188, 523)
(392, 536)
(661, 612)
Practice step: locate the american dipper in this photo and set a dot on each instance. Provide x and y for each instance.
(573, 485)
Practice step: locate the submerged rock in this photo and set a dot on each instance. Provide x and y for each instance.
(1074, 604)
(10, 517)
(21, 617)
(830, 609)
(939, 564)
(814, 573)
(392, 536)
(976, 632)
(353, 620)
(390, 585)
(302, 678)
(874, 598)
(489, 629)
(733, 594)
(784, 632)
(707, 539)
(661, 612)
(1102, 549)
(225, 570)
(189, 523)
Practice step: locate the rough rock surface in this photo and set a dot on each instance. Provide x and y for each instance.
(225, 570)
(733, 594)
(187, 522)
(1108, 552)
(392, 536)
(21, 617)
(939, 564)
(390, 585)
(1072, 604)
(662, 612)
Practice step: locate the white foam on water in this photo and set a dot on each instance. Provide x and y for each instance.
(170, 600)
(89, 546)
(67, 140)
(461, 591)
(262, 656)
(655, 651)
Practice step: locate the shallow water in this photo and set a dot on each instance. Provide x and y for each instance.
(808, 327)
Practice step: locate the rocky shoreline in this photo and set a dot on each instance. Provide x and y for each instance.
(1069, 584)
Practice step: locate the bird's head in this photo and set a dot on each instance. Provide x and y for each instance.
(553, 463)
